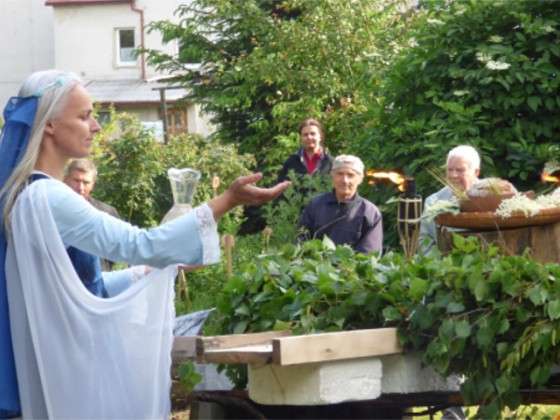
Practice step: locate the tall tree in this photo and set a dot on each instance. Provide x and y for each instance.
(260, 66)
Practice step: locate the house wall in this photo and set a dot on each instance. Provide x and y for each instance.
(81, 39)
(27, 43)
(86, 42)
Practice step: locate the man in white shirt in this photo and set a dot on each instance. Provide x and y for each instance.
(462, 170)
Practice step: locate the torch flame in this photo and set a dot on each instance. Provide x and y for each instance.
(546, 177)
(395, 177)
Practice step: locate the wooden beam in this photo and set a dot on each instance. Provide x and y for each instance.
(184, 348)
(256, 354)
(335, 346)
(205, 345)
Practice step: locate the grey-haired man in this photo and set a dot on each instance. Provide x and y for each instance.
(342, 215)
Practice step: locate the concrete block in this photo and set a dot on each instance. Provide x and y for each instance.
(316, 383)
(405, 374)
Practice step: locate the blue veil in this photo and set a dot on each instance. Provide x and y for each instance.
(19, 115)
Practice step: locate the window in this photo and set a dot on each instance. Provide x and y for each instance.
(177, 121)
(125, 47)
(103, 117)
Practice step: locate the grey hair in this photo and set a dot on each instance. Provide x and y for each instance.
(350, 161)
(466, 152)
(81, 165)
(52, 87)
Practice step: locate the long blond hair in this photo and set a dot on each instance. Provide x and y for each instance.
(52, 87)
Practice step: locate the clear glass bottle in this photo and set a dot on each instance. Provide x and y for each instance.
(183, 186)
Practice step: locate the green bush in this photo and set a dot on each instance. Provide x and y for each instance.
(493, 318)
(128, 160)
(133, 165)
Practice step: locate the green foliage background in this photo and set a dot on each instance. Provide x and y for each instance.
(395, 85)
(478, 72)
(132, 167)
(266, 65)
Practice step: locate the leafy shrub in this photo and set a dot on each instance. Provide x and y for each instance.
(132, 167)
(128, 160)
(493, 318)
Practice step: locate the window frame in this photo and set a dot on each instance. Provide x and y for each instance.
(118, 61)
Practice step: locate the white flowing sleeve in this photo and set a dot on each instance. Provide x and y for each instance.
(191, 239)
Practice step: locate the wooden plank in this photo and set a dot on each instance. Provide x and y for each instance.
(220, 342)
(256, 354)
(335, 346)
(236, 340)
(184, 348)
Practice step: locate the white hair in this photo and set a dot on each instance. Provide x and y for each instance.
(466, 152)
(52, 87)
(349, 161)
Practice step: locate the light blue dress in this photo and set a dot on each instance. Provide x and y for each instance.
(191, 239)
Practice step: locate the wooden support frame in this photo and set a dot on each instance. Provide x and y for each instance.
(281, 348)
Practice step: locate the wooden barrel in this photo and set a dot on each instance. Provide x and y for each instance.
(542, 241)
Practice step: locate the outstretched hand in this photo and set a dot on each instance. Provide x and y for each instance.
(243, 191)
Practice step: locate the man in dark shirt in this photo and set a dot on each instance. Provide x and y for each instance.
(342, 215)
(81, 175)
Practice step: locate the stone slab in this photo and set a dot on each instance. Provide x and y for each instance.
(403, 374)
(316, 383)
(346, 380)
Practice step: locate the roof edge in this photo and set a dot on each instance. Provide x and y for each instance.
(82, 2)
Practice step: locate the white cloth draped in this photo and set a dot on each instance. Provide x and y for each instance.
(77, 355)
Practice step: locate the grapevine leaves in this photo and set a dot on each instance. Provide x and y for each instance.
(494, 319)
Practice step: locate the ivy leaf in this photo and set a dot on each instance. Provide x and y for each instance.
(240, 327)
(553, 309)
(481, 289)
(537, 295)
(455, 307)
(390, 313)
(328, 243)
(418, 288)
(188, 376)
(462, 329)
(458, 241)
(242, 310)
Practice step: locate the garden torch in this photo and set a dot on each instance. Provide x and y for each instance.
(409, 208)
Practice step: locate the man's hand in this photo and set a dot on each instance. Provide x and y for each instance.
(243, 191)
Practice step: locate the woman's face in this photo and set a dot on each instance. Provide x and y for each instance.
(311, 139)
(72, 130)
